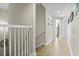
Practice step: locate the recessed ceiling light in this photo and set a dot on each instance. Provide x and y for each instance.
(58, 11)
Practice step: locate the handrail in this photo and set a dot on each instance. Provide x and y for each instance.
(15, 26)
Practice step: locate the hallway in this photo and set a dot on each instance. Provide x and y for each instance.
(32, 29)
(55, 48)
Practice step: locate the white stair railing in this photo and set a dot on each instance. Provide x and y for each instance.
(23, 39)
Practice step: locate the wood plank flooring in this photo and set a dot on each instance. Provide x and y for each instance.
(58, 47)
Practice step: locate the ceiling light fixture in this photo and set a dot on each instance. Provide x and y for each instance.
(58, 11)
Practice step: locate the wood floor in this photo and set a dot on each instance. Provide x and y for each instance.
(58, 47)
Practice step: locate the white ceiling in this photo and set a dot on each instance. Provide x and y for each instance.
(4, 6)
(52, 8)
(63, 9)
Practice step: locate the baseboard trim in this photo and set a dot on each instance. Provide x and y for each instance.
(33, 54)
(70, 48)
(68, 45)
(40, 45)
(48, 42)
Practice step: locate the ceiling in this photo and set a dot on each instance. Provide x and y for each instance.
(59, 10)
(4, 6)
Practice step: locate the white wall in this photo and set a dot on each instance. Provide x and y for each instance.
(40, 25)
(74, 36)
(50, 29)
(65, 27)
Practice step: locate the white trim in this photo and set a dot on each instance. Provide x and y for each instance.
(49, 42)
(69, 48)
(15, 26)
(34, 30)
(33, 54)
(37, 46)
